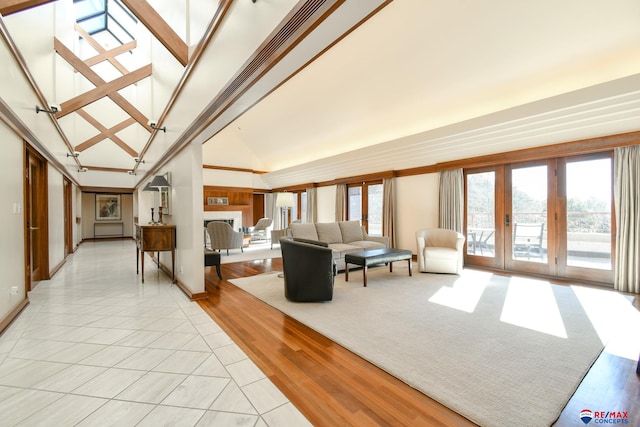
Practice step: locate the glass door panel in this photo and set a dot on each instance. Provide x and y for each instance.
(354, 209)
(586, 243)
(529, 214)
(481, 215)
(374, 209)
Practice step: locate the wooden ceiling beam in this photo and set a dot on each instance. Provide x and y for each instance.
(7, 7)
(101, 50)
(160, 29)
(94, 78)
(106, 134)
(100, 92)
(107, 54)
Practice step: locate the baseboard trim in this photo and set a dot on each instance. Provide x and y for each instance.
(4, 323)
(57, 268)
(189, 294)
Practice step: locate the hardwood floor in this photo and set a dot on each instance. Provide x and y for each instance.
(332, 386)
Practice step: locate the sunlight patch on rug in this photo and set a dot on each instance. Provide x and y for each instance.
(525, 300)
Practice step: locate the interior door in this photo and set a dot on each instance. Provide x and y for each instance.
(35, 210)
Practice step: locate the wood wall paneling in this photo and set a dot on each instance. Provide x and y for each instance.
(240, 199)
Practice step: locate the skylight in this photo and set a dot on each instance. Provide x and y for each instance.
(110, 16)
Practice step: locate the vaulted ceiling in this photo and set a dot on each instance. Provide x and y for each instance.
(316, 90)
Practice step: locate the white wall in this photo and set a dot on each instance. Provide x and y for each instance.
(56, 218)
(11, 220)
(417, 207)
(187, 215)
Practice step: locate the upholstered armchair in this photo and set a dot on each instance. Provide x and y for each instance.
(259, 231)
(223, 237)
(440, 251)
(308, 271)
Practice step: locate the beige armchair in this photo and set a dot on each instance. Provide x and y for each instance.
(259, 231)
(440, 251)
(223, 237)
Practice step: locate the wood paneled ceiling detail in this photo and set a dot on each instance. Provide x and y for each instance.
(7, 7)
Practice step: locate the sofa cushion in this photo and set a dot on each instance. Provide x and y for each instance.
(340, 249)
(304, 231)
(329, 232)
(351, 231)
(367, 244)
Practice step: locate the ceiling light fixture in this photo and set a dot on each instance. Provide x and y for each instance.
(52, 109)
(154, 125)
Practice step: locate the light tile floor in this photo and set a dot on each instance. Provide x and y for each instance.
(96, 347)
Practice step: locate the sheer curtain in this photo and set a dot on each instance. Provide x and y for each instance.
(312, 205)
(451, 199)
(389, 210)
(626, 195)
(341, 202)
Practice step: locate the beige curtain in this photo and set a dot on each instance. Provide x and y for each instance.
(341, 202)
(389, 210)
(312, 205)
(451, 200)
(626, 195)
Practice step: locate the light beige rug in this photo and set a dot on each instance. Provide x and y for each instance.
(500, 351)
(255, 251)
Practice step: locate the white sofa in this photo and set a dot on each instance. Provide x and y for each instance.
(440, 251)
(343, 237)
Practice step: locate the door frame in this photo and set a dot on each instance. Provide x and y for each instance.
(35, 188)
(68, 215)
(550, 267)
(556, 266)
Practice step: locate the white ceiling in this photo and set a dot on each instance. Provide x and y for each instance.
(420, 82)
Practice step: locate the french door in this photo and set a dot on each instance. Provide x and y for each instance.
(551, 217)
(364, 203)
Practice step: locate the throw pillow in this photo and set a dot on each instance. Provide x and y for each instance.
(304, 231)
(329, 232)
(351, 231)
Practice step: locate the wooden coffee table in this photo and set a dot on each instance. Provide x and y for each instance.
(375, 256)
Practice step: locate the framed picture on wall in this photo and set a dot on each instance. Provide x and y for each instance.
(217, 201)
(108, 207)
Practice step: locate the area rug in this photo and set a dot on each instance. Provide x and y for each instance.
(500, 351)
(255, 251)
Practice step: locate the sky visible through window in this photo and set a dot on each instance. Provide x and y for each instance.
(96, 16)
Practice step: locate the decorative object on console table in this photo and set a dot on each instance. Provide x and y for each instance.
(108, 207)
(161, 183)
(155, 238)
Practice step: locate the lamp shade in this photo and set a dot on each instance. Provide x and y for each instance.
(149, 188)
(285, 200)
(159, 181)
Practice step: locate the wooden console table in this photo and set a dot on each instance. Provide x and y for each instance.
(156, 238)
